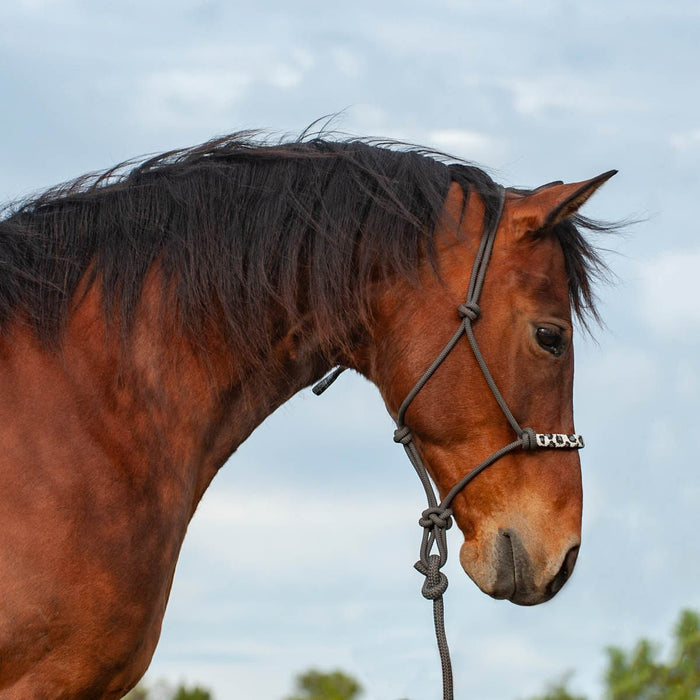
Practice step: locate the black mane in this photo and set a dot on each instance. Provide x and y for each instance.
(245, 230)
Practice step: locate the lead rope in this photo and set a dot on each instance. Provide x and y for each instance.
(436, 519)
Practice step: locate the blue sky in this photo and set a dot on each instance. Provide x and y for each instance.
(286, 565)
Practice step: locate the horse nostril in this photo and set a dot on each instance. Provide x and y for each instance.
(567, 567)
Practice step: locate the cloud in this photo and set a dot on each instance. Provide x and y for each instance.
(343, 531)
(176, 96)
(626, 376)
(683, 140)
(669, 294)
(474, 145)
(38, 6)
(521, 655)
(349, 63)
(205, 87)
(534, 97)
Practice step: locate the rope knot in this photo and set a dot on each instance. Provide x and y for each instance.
(469, 310)
(435, 583)
(436, 517)
(403, 435)
(528, 439)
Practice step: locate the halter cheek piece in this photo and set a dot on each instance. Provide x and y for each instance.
(437, 518)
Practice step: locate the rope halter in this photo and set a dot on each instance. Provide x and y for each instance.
(437, 518)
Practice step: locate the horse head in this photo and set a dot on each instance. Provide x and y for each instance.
(521, 518)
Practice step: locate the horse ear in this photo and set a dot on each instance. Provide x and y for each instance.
(548, 205)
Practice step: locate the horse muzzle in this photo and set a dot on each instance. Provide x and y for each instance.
(512, 573)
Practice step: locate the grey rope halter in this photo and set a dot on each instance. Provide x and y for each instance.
(436, 519)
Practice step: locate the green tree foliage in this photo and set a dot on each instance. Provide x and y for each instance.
(559, 691)
(196, 693)
(639, 674)
(316, 685)
(163, 691)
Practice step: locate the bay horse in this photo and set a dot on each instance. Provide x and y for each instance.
(153, 315)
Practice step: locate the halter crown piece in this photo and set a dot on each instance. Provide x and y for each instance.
(436, 519)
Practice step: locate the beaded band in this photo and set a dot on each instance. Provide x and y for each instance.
(560, 441)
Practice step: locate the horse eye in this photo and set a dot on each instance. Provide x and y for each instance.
(551, 340)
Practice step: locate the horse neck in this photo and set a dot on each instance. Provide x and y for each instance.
(170, 405)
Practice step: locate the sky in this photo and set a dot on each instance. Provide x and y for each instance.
(301, 552)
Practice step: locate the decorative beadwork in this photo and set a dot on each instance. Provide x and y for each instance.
(560, 441)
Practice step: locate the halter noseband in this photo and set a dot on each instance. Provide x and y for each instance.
(437, 518)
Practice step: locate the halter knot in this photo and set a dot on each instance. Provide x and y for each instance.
(435, 583)
(469, 310)
(436, 517)
(528, 439)
(403, 435)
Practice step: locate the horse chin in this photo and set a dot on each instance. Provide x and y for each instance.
(505, 570)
